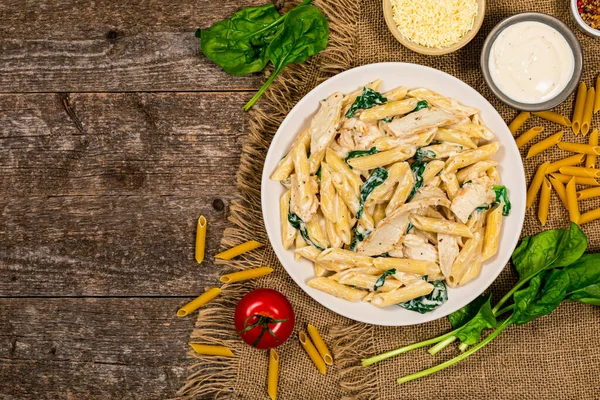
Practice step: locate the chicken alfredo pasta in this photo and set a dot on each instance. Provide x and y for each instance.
(392, 196)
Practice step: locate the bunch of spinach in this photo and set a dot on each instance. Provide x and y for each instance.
(253, 36)
(552, 268)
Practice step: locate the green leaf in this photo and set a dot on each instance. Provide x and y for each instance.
(421, 104)
(483, 318)
(541, 297)
(388, 119)
(358, 237)
(460, 317)
(319, 173)
(584, 280)
(360, 153)
(428, 303)
(381, 281)
(423, 153)
(417, 168)
(409, 227)
(368, 99)
(550, 249)
(378, 176)
(298, 224)
(502, 197)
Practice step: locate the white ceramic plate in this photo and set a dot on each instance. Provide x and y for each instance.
(393, 75)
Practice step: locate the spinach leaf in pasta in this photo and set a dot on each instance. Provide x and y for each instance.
(502, 197)
(378, 176)
(429, 302)
(368, 99)
(381, 281)
(417, 168)
(360, 153)
(298, 224)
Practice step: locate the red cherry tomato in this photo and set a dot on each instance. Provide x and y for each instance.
(264, 318)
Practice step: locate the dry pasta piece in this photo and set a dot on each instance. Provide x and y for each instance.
(198, 302)
(528, 136)
(273, 375)
(589, 216)
(597, 101)
(553, 117)
(590, 160)
(579, 148)
(579, 106)
(200, 239)
(544, 205)
(239, 249)
(519, 121)
(536, 183)
(579, 180)
(545, 144)
(247, 274)
(580, 171)
(312, 352)
(588, 111)
(572, 160)
(588, 193)
(559, 188)
(208, 350)
(572, 205)
(320, 344)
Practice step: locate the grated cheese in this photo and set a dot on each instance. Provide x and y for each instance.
(434, 23)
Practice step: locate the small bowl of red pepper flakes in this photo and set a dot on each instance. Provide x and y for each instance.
(586, 14)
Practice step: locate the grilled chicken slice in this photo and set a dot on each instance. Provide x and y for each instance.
(420, 121)
(470, 196)
(324, 124)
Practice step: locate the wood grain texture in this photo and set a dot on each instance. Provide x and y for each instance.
(100, 192)
(105, 45)
(92, 348)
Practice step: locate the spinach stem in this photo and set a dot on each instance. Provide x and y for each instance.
(441, 345)
(505, 310)
(384, 356)
(463, 346)
(456, 359)
(512, 291)
(261, 90)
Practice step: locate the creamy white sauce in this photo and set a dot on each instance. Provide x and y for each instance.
(531, 62)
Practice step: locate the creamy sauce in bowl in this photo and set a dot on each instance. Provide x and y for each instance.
(531, 62)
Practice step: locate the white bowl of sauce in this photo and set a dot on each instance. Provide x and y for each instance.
(532, 61)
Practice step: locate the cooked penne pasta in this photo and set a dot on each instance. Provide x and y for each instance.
(402, 191)
(198, 302)
(336, 289)
(366, 281)
(327, 193)
(572, 205)
(246, 274)
(475, 170)
(317, 340)
(471, 156)
(579, 180)
(529, 135)
(491, 236)
(544, 205)
(345, 257)
(351, 97)
(572, 160)
(316, 233)
(273, 374)
(440, 226)
(390, 109)
(589, 216)
(300, 243)
(454, 136)
(400, 153)
(536, 183)
(432, 170)
(450, 105)
(239, 249)
(379, 213)
(411, 266)
(312, 352)
(579, 148)
(286, 165)
(338, 165)
(519, 121)
(588, 193)
(200, 239)
(208, 350)
(559, 188)
(396, 94)
(553, 117)
(462, 262)
(545, 144)
(580, 171)
(579, 107)
(451, 184)
(588, 111)
(590, 160)
(288, 233)
(403, 294)
(597, 101)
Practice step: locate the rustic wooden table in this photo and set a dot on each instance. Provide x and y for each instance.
(115, 135)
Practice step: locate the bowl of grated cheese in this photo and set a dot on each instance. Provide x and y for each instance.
(434, 27)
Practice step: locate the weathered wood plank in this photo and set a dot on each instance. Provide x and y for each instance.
(92, 348)
(103, 200)
(67, 46)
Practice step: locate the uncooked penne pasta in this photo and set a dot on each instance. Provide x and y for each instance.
(572, 205)
(239, 249)
(560, 189)
(579, 180)
(519, 121)
(209, 350)
(588, 193)
(312, 352)
(544, 205)
(572, 160)
(200, 239)
(597, 101)
(589, 216)
(545, 144)
(579, 106)
(529, 135)
(579, 148)
(246, 274)
(273, 374)
(588, 111)
(536, 183)
(491, 236)
(580, 171)
(198, 302)
(336, 289)
(440, 226)
(590, 160)
(317, 340)
(553, 117)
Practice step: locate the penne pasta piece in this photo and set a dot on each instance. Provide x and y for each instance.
(419, 267)
(445, 103)
(320, 270)
(432, 169)
(553, 117)
(462, 262)
(200, 239)
(590, 160)
(405, 184)
(400, 153)
(588, 193)
(589, 216)
(312, 352)
(317, 340)
(350, 98)
(451, 185)
(579, 106)
(572, 160)
(400, 295)
(288, 233)
(345, 191)
(519, 121)
(327, 193)
(579, 180)
(580, 171)
(559, 188)
(332, 235)
(246, 274)
(474, 170)
(494, 175)
(528, 136)
(300, 243)
(544, 205)
(343, 226)
(389, 109)
(454, 136)
(396, 94)
(491, 235)
(475, 130)
(385, 191)
(336, 289)
(198, 302)
(474, 268)
(440, 226)
(286, 165)
(471, 156)
(379, 213)
(338, 165)
(536, 183)
(315, 231)
(588, 111)
(345, 257)
(239, 249)
(579, 148)
(597, 101)
(208, 350)
(273, 374)
(367, 281)
(572, 205)
(545, 144)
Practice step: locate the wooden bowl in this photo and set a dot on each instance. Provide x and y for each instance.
(388, 13)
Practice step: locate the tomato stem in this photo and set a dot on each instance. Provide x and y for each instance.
(262, 321)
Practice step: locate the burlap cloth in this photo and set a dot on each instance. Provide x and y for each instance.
(555, 357)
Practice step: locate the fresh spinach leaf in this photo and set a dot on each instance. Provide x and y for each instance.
(421, 104)
(368, 99)
(460, 317)
(360, 153)
(388, 119)
(483, 319)
(502, 197)
(417, 168)
(381, 281)
(584, 280)
(541, 297)
(297, 223)
(378, 176)
(319, 173)
(428, 303)
(423, 153)
(358, 237)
